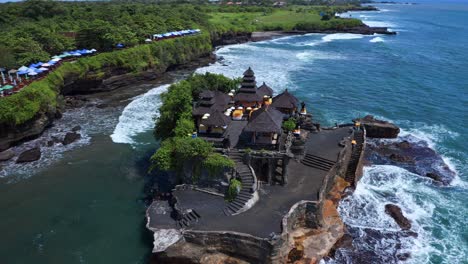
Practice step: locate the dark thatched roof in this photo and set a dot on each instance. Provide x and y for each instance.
(249, 72)
(216, 119)
(248, 97)
(285, 100)
(206, 94)
(218, 102)
(265, 90)
(265, 120)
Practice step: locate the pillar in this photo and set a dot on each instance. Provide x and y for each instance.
(271, 169)
(286, 159)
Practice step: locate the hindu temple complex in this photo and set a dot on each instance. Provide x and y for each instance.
(287, 174)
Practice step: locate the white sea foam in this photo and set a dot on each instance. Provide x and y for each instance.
(417, 198)
(269, 64)
(341, 36)
(316, 55)
(376, 39)
(372, 23)
(138, 116)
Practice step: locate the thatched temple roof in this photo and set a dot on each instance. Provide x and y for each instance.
(216, 119)
(265, 120)
(264, 89)
(285, 100)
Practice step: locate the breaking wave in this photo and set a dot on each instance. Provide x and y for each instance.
(138, 116)
(376, 40)
(341, 36)
(429, 207)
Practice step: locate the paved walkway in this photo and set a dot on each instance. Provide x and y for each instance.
(275, 201)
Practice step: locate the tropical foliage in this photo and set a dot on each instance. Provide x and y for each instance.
(175, 126)
(234, 188)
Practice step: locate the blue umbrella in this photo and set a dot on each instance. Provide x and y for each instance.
(22, 72)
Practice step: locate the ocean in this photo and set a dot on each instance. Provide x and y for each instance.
(86, 205)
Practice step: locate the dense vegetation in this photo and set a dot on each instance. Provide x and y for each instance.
(34, 30)
(41, 95)
(175, 126)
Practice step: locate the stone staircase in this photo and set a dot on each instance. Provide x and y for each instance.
(353, 162)
(188, 219)
(247, 178)
(318, 162)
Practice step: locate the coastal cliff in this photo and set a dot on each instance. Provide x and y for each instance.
(310, 230)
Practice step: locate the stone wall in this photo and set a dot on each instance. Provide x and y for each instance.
(359, 170)
(241, 246)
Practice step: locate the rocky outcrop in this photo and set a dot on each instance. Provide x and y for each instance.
(29, 155)
(6, 155)
(434, 176)
(395, 212)
(378, 128)
(363, 30)
(71, 137)
(401, 158)
(231, 38)
(14, 134)
(416, 157)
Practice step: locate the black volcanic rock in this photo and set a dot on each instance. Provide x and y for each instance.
(70, 137)
(29, 155)
(395, 212)
(378, 128)
(401, 158)
(76, 128)
(6, 155)
(434, 176)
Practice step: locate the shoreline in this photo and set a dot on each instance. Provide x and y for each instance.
(35, 127)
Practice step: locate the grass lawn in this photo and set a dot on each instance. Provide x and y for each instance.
(282, 19)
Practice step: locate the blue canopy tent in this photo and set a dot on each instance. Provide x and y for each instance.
(22, 72)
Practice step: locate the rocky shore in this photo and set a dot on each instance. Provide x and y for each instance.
(363, 30)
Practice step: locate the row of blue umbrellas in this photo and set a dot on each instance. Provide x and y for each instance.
(40, 67)
(176, 33)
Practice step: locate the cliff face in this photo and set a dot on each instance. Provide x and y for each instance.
(310, 231)
(11, 134)
(26, 114)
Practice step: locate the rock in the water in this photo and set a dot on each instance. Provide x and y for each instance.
(29, 155)
(401, 158)
(404, 144)
(395, 212)
(76, 128)
(378, 128)
(6, 155)
(71, 137)
(434, 176)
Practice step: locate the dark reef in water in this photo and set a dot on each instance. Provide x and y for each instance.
(416, 157)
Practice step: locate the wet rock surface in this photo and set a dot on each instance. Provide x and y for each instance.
(414, 156)
(376, 128)
(29, 155)
(395, 212)
(71, 137)
(6, 155)
(387, 247)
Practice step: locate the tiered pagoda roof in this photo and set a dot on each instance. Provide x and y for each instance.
(211, 101)
(248, 91)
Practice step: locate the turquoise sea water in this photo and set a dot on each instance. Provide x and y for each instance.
(417, 79)
(86, 205)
